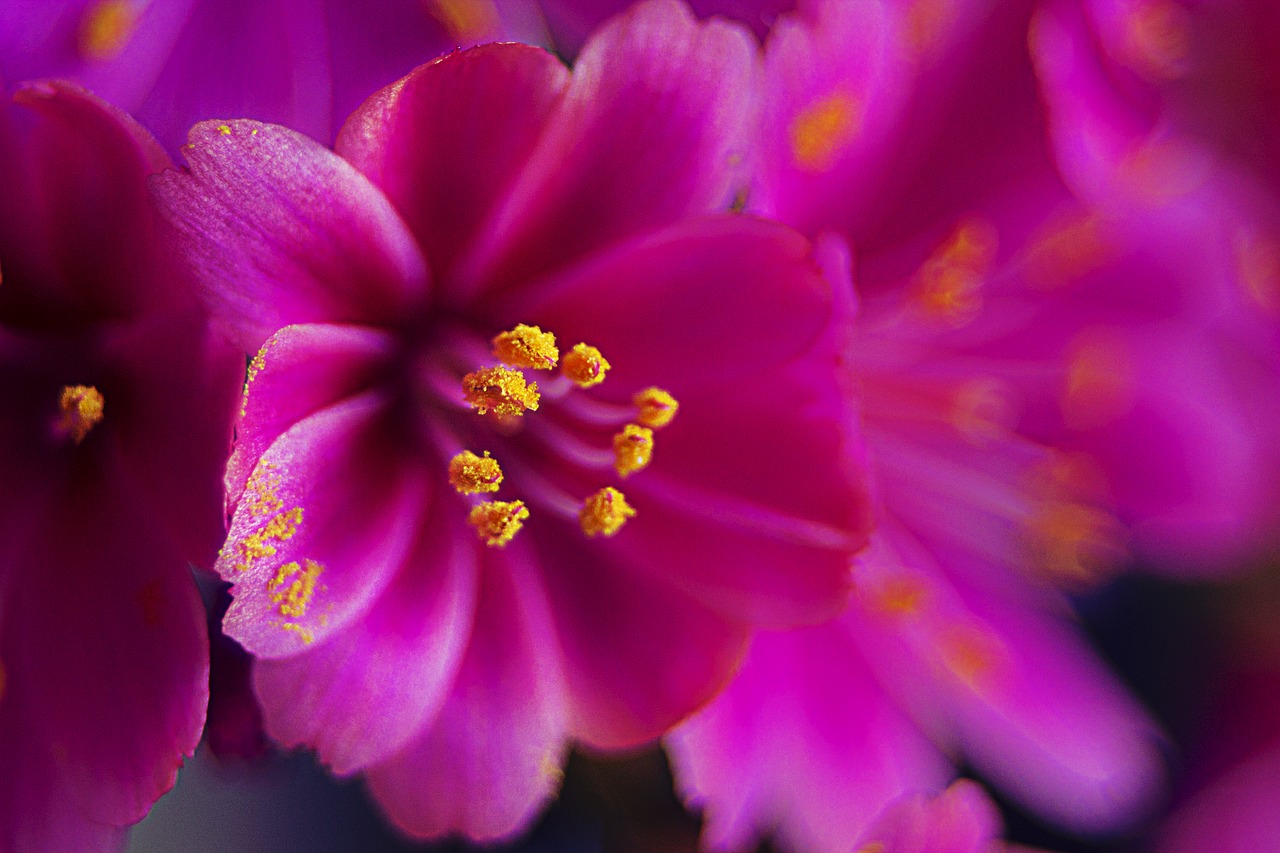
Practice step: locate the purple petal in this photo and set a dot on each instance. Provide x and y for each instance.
(325, 521)
(494, 100)
(803, 744)
(368, 691)
(114, 613)
(653, 93)
(639, 654)
(280, 230)
(299, 371)
(492, 757)
(76, 223)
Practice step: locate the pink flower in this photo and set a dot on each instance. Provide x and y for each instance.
(303, 63)
(451, 647)
(115, 419)
(1046, 397)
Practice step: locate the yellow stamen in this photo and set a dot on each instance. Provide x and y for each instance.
(1100, 380)
(927, 22)
(948, 284)
(1158, 37)
(1066, 250)
(293, 599)
(898, 596)
(1076, 544)
(584, 365)
(80, 410)
(605, 512)
(471, 474)
(467, 20)
(527, 346)
(105, 29)
(1258, 265)
(820, 130)
(972, 654)
(501, 389)
(632, 449)
(657, 407)
(497, 522)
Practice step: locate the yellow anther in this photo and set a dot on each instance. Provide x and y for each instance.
(972, 654)
(656, 407)
(927, 23)
(1099, 383)
(949, 283)
(1258, 265)
(471, 474)
(105, 29)
(80, 410)
(293, 598)
(605, 512)
(1067, 250)
(467, 20)
(1076, 544)
(632, 449)
(820, 130)
(584, 365)
(527, 346)
(1158, 37)
(497, 522)
(500, 389)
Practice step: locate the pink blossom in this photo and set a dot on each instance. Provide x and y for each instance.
(490, 189)
(303, 63)
(115, 420)
(1046, 397)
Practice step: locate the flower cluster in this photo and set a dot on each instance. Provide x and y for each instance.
(769, 380)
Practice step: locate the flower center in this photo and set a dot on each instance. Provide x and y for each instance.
(503, 396)
(80, 409)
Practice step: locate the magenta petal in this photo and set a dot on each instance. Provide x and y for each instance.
(961, 819)
(804, 744)
(492, 757)
(639, 654)
(327, 517)
(494, 100)
(76, 230)
(740, 287)
(281, 230)
(1017, 691)
(654, 93)
(366, 692)
(104, 652)
(299, 371)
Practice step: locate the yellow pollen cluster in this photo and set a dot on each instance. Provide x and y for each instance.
(656, 407)
(106, 28)
(948, 284)
(471, 474)
(820, 130)
(584, 365)
(292, 599)
(500, 389)
(80, 410)
(527, 346)
(260, 497)
(632, 449)
(497, 522)
(262, 543)
(605, 512)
